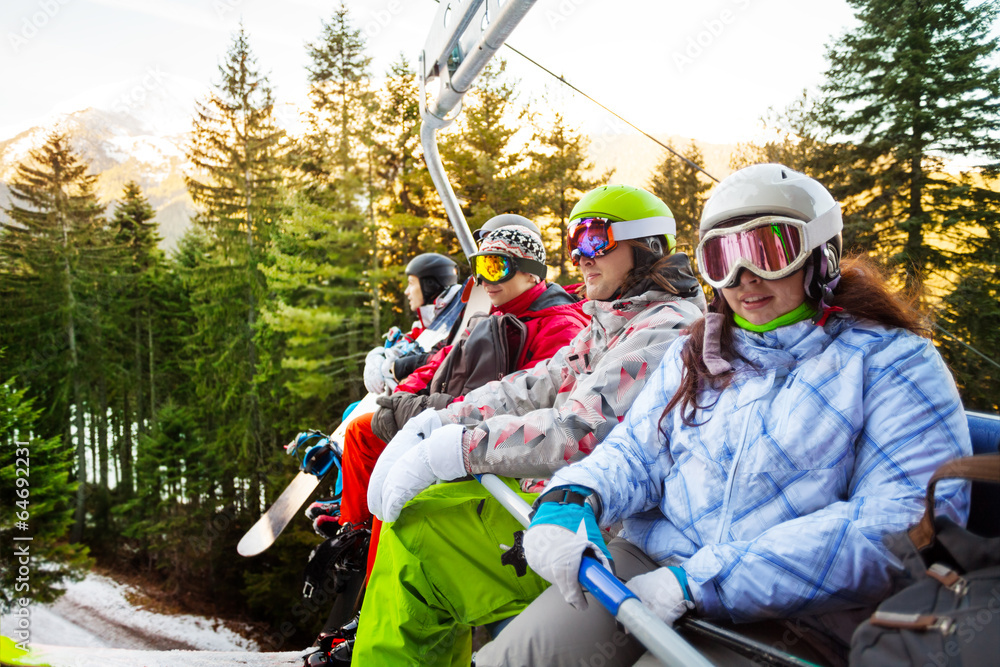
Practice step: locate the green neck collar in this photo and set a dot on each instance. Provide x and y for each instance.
(803, 312)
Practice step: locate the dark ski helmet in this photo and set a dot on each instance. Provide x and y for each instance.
(436, 273)
(790, 200)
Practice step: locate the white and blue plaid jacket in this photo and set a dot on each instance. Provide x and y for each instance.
(777, 504)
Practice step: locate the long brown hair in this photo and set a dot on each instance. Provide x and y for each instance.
(669, 272)
(862, 293)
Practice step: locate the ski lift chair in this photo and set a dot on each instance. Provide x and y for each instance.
(984, 509)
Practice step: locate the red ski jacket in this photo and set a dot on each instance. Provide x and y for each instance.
(553, 317)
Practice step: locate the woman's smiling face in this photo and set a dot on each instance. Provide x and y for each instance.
(759, 301)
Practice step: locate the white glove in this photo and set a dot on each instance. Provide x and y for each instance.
(662, 594)
(413, 432)
(391, 354)
(554, 553)
(374, 382)
(437, 457)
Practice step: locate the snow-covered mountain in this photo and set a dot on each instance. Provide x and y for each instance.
(137, 131)
(120, 151)
(133, 131)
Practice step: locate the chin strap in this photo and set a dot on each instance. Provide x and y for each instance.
(824, 289)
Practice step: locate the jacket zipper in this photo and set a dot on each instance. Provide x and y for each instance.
(725, 523)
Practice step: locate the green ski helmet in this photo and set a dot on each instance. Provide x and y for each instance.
(632, 213)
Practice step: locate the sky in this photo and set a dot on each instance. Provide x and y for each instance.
(708, 70)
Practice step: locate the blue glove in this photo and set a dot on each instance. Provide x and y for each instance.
(319, 458)
(317, 454)
(564, 528)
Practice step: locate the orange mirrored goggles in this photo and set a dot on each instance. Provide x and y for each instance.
(590, 237)
(501, 268)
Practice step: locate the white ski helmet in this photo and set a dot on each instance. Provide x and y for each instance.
(504, 220)
(774, 190)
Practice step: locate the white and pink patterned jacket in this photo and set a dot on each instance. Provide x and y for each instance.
(534, 422)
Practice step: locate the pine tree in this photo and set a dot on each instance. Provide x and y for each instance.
(489, 172)
(407, 209)
(319, 309)
(332, 155)
(402, 175)
(684, 190)
(339, 146)
(35, 502)
(972, 313)
(135, 229)
(236, 152)
(914, 83)
(136, 239)
(559, 165)
(53, 247)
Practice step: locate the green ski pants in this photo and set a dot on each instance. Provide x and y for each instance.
(437, 575)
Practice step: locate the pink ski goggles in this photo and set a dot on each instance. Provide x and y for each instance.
(771, 247)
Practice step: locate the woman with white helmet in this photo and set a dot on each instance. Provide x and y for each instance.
(793, 428)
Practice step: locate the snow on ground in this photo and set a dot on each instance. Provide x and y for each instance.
(61, 656)
(94, 624)
(48, 627)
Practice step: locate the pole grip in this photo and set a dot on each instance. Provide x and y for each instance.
(603, 585)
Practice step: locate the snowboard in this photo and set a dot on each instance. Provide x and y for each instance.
(263, 533)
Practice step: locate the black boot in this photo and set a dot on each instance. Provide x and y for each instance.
(338, 656)
(342, 652)
(349, 630)
(335, 648)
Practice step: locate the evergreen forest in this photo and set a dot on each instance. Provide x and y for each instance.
(155, 391)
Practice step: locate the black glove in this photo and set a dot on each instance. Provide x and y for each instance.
(383, 424)
(402, 367)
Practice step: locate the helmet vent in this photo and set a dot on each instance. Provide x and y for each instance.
(784, 174)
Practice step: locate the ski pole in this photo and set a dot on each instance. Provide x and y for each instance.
(661, 640)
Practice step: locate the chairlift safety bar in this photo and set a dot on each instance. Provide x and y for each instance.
(463, 38)
(661, 640)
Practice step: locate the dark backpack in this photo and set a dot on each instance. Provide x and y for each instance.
(492, 350)
(489, 352)
(950, 612)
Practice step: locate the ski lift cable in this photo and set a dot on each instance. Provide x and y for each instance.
(964, 344)
(562, 79)
(690, 163)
